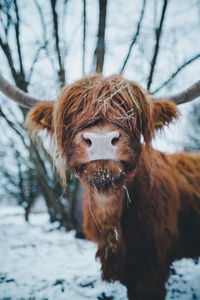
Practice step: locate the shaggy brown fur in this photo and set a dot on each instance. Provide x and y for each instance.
(143, 209)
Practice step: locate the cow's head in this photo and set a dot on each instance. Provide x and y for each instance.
(101, 125)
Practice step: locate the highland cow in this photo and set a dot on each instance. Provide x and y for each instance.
(141, 206)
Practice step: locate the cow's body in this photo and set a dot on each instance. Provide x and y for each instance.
(160, 225)
(141, 206)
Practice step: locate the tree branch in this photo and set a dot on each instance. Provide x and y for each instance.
(11, 125)
(61, 73)
(157, 45)
(34, 62)
(173, 75)
(135, 37)
(45, 41)
(17, 35)
(6, 49)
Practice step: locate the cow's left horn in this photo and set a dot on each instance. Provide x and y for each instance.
(17, 95)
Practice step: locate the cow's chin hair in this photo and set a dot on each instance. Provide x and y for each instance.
(103, 174)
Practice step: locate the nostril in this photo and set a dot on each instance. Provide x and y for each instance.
(115, 141)
(87, 141)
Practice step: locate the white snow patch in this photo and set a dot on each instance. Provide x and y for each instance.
(37, 261)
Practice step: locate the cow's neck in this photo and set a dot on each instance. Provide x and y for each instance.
(106, 207)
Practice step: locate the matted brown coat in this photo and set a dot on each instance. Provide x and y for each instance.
(141, 208)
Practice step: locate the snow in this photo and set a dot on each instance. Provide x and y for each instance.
(38, 261)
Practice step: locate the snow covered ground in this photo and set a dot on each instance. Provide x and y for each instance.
(37, 261)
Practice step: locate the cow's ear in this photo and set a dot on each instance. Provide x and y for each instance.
(40, 117)
(164, 112)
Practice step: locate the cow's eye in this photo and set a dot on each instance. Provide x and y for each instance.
(94, 123)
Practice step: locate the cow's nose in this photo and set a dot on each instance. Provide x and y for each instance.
(108, 138)
(101, 145)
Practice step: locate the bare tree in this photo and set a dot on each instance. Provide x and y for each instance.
(100, 48)
(178, 70)
(134, 39)
(158, 33)
(61, 72)
(48, 185)
(84, 35)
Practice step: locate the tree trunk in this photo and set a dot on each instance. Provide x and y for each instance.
(100, 49)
